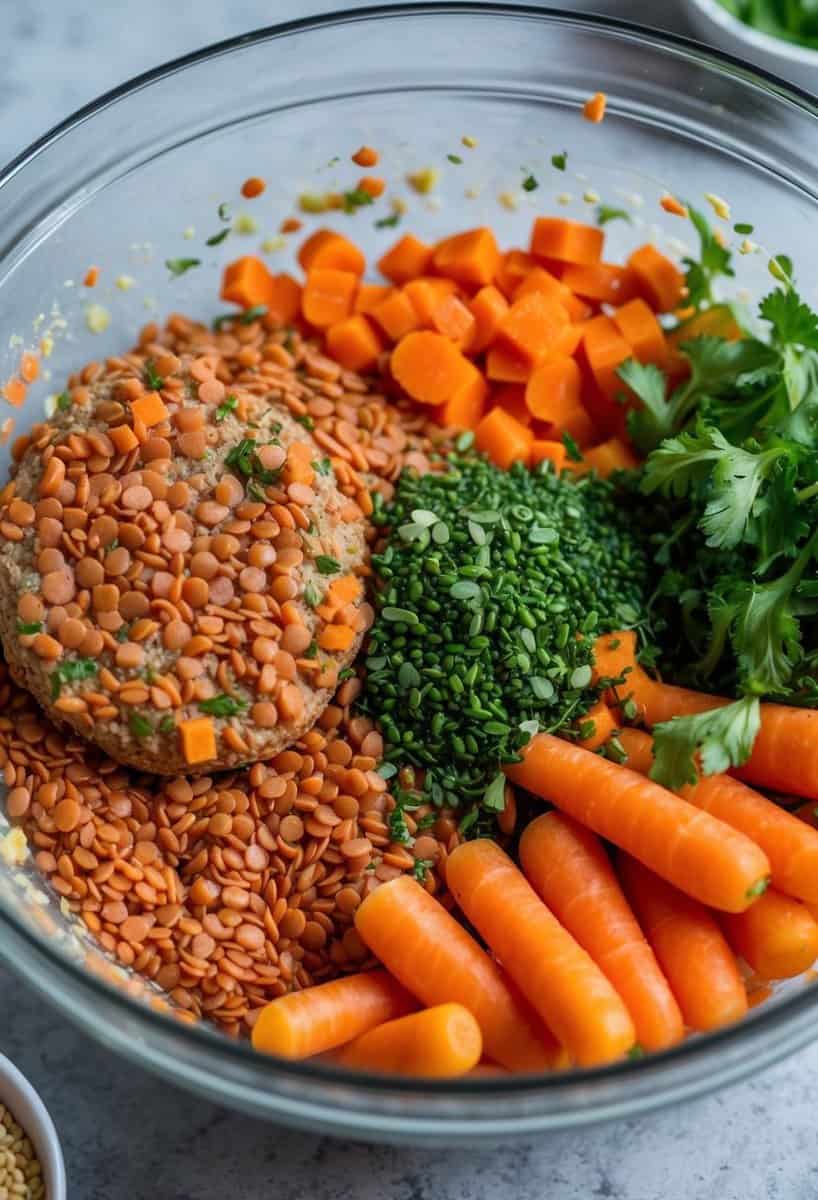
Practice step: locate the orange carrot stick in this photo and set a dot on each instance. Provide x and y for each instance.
(440, 1043)
(690, 947)
(785, 752)
(436, 959)
(790, 844)
(558, 977)
(699, 854)
(320, 1018)
(777, 936)
(568, 867)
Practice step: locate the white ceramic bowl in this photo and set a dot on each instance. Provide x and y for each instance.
(31, 1114)
(716, 26)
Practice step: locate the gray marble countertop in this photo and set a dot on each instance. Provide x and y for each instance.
(128, 1136)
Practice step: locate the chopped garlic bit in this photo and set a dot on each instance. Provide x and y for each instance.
(124, 282)
(424, 181)
(46, 345)
(14, 848)
(508, 200)
(720, 207)
(748, 247)
(150, 303)
(471, 142)
(271, 244)
(246, 224)
(472, 192)
(399, 206)
(97, 318)
(50, 405)
(564, 198)
(189, 233)
(15, 341)
(590, 196)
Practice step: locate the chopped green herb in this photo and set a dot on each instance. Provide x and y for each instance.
(139, 726)
(222, 706)
(254, 313)
(29, 627)
(530, 184)
(743, 228)
(217, 238)
(153, 380)
(228, 405)
(167, 724)
(312, 650)
(421, 868)
(390, 222)
(306, 420)
(355, 199)
(245, 460)
(122, 633)
(572, 449)
(559, 160)
(605, 214)
(224, 211)
(179, 266)
(72, 671)
(456, 159)
(63, 401)
(322, 466)
(312, 596)
(327, 565)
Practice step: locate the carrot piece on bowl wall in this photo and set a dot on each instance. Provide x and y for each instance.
(395, 315)
(470, 258)
(328, 249)
(435, 958)
(426, 294)
(716, 864)
(657, 278)
(407, 259)
(488, 307)
(247, 282)
(439, 1043)
(605, 282)
(554, 389)
(429, 367)
(353, 343)
(593, 109)
(692, 951)
(777, 936)
(328, 296)
(568, 867)
(566, 241)
(532, 326)
(637, 323)
(503, 439)
(454, 320)
(320, 1018)
(554, 973)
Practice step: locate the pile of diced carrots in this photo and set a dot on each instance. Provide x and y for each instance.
(520, 346)
(620, 930)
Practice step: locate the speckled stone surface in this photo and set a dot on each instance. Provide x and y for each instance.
(128, 1136)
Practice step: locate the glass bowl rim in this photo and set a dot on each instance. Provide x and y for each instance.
(241, 1053)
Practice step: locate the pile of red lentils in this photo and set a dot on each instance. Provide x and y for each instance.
(230, 890)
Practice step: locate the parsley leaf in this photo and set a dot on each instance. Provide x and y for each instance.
(327, 565)
(244, 458)
(222, 706)
(572, 449)
(793, 322)
(73, 671)
(494, 797)
(722, 737)
(605, 214)
(421, 868)
(713, 261)
(559, 161)
(322, 466)
(456, 159)
(530, 184)
(654, 420)
(179, 266)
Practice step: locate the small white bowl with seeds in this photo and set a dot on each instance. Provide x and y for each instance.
(31, 1161)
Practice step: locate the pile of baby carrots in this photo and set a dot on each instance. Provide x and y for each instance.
(619, 931)
(522, 346)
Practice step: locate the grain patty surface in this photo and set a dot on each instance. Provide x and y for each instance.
(179, 573)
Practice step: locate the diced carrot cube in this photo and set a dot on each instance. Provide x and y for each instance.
(353, 343)
(605, 282)
(429, 367)
(370, 294)
(328, 296)
(606, 350)
(566, 241)
(198, 739)
(123, 438)
(503, 439)
(514, 267)
(407, 259)
(396, 315)
(637, 323)
(336, 638)
(658, 279)
(328, 249)
(488, 307)
(454, 320)
(150, 409)
(284, 299)
(470, 258)
(544, 451)
(606, 458)
(345, 590)
(426, 294)
(531, 326)
(540, 280)
(554, 389)
(504, 365)
(465, 408)
(511, 397)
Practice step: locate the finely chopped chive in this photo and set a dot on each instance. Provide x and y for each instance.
(228, 405)
(217, 238)
(485, 635)
(744, 228)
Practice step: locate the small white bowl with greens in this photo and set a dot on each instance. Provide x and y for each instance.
(778, 35)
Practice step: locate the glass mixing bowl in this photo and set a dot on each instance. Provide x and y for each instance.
(123, 183)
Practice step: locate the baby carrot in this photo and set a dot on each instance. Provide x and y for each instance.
(690, 947)
(790, 844)
(436, 959)
(558, 977)
(439, 1043)
(320, 1018)
(785, 752)
(568, 867)
(777, 936)
(698, 853)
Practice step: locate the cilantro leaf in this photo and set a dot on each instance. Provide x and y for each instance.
(793, 322)
(736, 481)
(494, 797)
(713, 261)
(222, 706)
(652, 422)
(722, 737)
